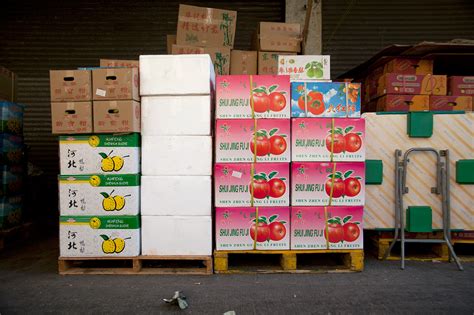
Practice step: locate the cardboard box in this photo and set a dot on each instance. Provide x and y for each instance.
(461, 85)
(170, 41)
(172, 75)
(235, 140)
(70, 85)
(271, 95)
(275, 36)
(116, 116)
(188, 115)
(11, 118)
(205, 27)
(119, 63)
(232, 184)
(402, 103)
(268, 62)
(11, 180)
(243, 62)
(393, 83)
(344, 227)
(176, 235)
(11, 149)
(409, 66)
(99, 236)
(177, 155)
(8, 85)
(115, 84)
(163, 195)
(220, 56)
(305, 67)
(236, 228)
(10, 211)
(447, 103)
(71, 117)
(313, 139)
(325, 99)
(311, 183)
(99, 154)
(99, 195)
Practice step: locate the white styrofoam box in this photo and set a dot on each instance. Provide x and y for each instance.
(176, 75)
(176, 195)
(177, 155)
(176, 115)
(176, 235)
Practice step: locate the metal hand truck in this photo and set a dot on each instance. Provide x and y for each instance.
(442, 188)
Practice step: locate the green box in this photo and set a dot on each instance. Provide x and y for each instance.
(465, 172)
(419, 219)
(373, 172)
(420, 124)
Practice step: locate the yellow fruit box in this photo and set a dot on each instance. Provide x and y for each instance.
(99, 154)
(99, 236)
(107, 195)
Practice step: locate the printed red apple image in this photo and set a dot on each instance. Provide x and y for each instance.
(267, 186)
(342, 230)
(268, 99)
(263, 144)
(343, 185)
(344, 140)
(268, 229)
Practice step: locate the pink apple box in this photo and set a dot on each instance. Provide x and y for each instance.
(311, 139)
(308, 228)
(271, 184)
(235, 228)
(271, 96)
(235, 140)
(311, 183)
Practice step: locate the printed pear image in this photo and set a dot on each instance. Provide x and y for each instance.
(119, 202)
(116, 245)
(114, 163)
(111, 203)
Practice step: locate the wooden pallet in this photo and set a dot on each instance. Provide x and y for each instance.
(15, 234)
(289, 261)
(144, 265)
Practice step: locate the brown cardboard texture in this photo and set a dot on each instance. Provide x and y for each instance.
(170, 41)
(70, 85)
(275, 29)
(243, 62)
(220, 56)
(119, 63)
(282, 37)
(116, 116)
(205, 27)
(71, 117)
(8, 85)
(268, 61)
(115, 84)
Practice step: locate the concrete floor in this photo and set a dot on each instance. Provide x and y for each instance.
(29, 283)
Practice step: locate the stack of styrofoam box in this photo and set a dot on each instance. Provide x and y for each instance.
(237, 130)
(176, 194)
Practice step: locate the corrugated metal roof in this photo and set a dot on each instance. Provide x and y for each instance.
(354, 30)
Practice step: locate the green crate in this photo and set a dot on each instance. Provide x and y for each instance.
(420, 124)
(465, 172)
(373, 172)
(419, 219)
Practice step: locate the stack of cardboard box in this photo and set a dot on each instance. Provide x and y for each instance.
(273, 39)
(176, 196)
(205, 31)
(12, 164)
(99, 179)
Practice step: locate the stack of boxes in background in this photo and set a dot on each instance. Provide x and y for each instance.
(12, 161)
(252, 170)
(99, 178)
(328, 157)
(177, 102)
(408, 84)
(205, 31)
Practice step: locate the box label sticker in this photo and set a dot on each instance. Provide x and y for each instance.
(100, 92)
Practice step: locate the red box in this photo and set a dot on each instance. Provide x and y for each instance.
(428, 84)
(447, 103)
(403, 103)
(459, 85)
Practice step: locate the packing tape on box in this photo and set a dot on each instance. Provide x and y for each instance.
(252, 167)
(326, 227)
